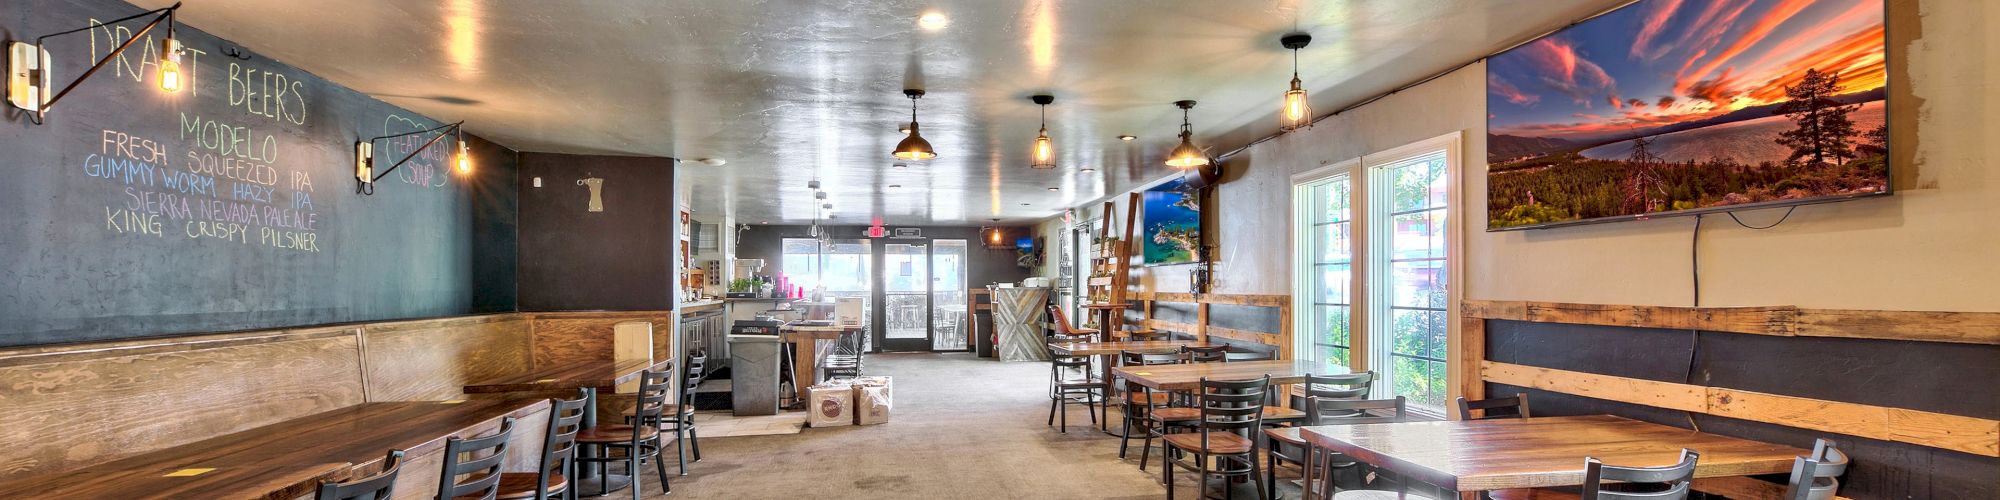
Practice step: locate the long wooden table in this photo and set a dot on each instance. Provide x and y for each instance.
(1187, 377)
(283, 460)
(1484, 455)
(805, 351)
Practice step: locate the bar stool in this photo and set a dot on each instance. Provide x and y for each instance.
(483, 473)
(376, 487)
(845, 360)
(551, 478)
(1230, 412)
(1060, 323)
(1350, 386)
(640, 442)
(1085, 390)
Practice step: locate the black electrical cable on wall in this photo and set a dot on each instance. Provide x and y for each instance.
(1694, 334)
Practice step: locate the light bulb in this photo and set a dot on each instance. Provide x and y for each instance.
(1295, 105)
(170, 65)
(464, 159)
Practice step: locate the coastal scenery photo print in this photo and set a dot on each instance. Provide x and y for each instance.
(1689, 105)
(1172, 216)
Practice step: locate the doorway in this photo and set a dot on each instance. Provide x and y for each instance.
(921, 287)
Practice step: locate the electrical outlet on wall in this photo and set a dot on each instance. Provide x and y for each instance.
(538, 182)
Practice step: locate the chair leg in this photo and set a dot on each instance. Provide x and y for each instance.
(1053, 401)
(1270, 471)
(1167, 468)
(632, 470)
(1063, 398)
(1146, 446)
(1263, 486)
(1124, 433)
(694, 440)
(660, 466)
(680, 444)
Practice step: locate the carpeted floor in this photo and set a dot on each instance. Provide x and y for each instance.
(962, 428)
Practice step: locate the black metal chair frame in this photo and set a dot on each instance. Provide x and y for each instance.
(682, 421)
(1677, 478)
(1087, 391)
(1352, 386)
(484, 471)
(1234, 407)
(1138, 406)
(559, 446)
(650, 402)
(1320, 465)
(1517, 406)
(377, 487)
(1210, 354)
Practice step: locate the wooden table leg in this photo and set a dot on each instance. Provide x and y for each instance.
(804, 354)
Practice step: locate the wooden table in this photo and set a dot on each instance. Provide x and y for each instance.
(1484, 455)
(587, 378)
(1187, 377)
(285, 460)
(805, 351)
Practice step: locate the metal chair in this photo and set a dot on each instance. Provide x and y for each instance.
(377, 487)
(1325, 387)
(1060, 323)
(1205, 354)
(1515, 406)
(640, 443)
(1228, 356)
(680, 415)
(845, 360)
(1230, 412)
(483, 473)
(1085, 390)
(1147, 335)
(1816, 477)
(1320, 466)
(1671, 482)
(1140, 402)
(558, 466)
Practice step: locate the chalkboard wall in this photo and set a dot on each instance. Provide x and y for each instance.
(229, 205)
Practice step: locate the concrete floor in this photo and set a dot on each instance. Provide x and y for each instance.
(962, 428)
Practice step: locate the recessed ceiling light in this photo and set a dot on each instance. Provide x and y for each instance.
(764, 222)
(899, 165)
(1024, 204)
(1086, 170)
(933, 21)
(714, 162)
(1126, 137)
(903, 129)
(895, 186)
(1052, 188)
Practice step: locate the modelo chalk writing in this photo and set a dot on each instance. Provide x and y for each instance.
(147, 55)
(229, 140)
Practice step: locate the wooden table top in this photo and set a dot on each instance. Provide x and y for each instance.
(1481, 455)
(1187, 377)
(599, 375)
(283, 460)
(1106, 348)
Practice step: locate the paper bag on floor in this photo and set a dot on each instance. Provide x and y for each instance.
(830, 405)
(871, 404)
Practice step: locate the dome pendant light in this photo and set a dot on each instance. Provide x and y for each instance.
(1298, 112)
(1045, 152)
(914, 147)
(1186, 155)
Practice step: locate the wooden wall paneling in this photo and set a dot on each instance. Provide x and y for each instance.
(1285, 339)
(428, 360)
(1937, 430)
(1469, 358)
(1743, 488)
(571, 337)
(70, 406)
(1201, 322)
(1927, 326)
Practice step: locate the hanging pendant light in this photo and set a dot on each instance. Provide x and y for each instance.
(914, 147)
(1186, 155)
(1045, 152)
(1298, 112)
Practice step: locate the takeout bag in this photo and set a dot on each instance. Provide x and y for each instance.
(830, 405)
(871, 400)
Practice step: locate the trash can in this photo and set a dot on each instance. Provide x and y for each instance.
(753, 374)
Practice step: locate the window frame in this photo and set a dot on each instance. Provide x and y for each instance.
(1371, 232)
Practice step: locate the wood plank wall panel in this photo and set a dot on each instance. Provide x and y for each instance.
(67, 407)
(568, 337)
(1788, 321)
(429, 360)
(1248, 321)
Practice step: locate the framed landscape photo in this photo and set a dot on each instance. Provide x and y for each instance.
(1171, 216)
(1678, 107)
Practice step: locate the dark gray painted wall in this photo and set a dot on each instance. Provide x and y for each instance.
(620, 259)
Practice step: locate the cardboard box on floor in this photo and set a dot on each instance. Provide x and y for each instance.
(830, 405)
(871, 400)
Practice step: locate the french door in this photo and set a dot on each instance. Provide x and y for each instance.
(921, 285)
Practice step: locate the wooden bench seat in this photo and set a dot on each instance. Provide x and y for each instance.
(287, 459)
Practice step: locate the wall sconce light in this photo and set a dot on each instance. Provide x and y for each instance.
(364, 155)
(29, 65)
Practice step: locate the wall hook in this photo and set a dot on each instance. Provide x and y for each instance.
(232, 51)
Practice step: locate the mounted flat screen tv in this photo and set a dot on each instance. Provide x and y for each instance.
(1680, 107)
(1172, 216)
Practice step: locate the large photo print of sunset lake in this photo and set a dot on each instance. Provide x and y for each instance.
(1679, 105)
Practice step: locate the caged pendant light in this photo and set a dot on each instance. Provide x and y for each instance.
(914, 147)
(1045, 152)
(1186, 155)
(1298, 112)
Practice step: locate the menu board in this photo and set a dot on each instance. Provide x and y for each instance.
(228, 205)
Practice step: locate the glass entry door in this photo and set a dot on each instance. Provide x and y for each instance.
(922, 293)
